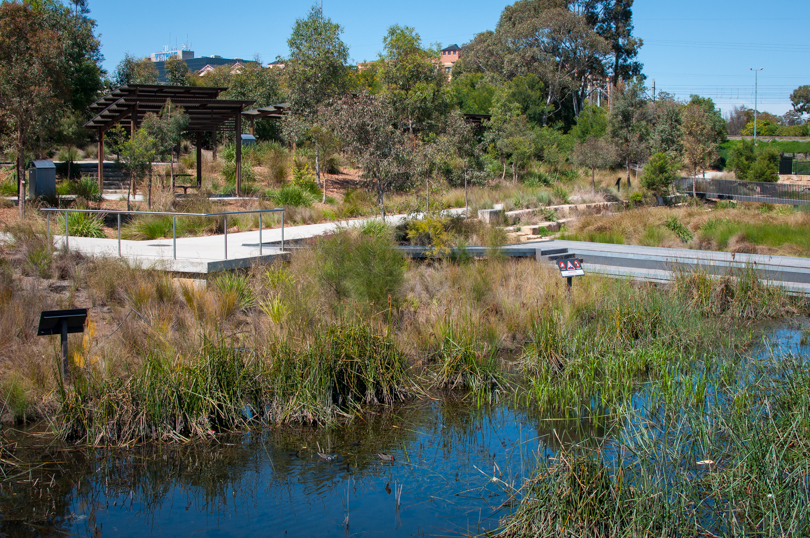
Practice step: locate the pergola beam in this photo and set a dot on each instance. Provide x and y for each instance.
(205, 111)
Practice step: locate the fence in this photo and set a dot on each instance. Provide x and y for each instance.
(173, 215)
(744, 191)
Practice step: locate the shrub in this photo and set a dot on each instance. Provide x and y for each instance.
(83, 224)
(366, 267)
(766, 167)
(8, 186)
(86, 187)
(292, 196)
(659, 174)
(683, 233)
(148, 227)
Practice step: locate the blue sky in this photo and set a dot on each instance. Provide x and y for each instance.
(690, 46)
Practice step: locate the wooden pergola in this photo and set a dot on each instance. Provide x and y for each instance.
(206, 113)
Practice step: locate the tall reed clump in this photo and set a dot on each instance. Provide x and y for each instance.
(592, 357)
(464, 362)
(344, 367)
(734, 465)
(226, 387)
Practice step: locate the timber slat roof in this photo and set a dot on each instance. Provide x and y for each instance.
(205, 111)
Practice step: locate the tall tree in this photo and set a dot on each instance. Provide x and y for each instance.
(31, 83)
(613, 20)
(130, 70)
(365, 125)
(315, 72)
(594, 153)
(176, 72)
(628, 123)
(801, 99)
(165, 131)
(666, 134)
(546, 38)
(700, 138)
(81, 58)
(412, 79)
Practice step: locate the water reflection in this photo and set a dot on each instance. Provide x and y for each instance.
(451, 462)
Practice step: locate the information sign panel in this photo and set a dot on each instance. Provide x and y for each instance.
(571, 267)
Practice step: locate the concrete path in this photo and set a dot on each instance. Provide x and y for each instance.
(209, 254)
(662, 264)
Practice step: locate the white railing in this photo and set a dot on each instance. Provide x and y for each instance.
(173, 215)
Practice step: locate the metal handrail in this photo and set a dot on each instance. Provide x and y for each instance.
(174, 215)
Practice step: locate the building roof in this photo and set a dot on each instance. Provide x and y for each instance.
(195, 64)
(205, 111)
(451, 48)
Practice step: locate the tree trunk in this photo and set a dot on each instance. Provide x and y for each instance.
(129, 190)
(627, 165)
(466, 206)
(171, 168)
(503, 176)
(20, 182)
(149, 192)
(323, 200)
(380, 198)
(593, 179)
(514, 173)
(318, 166)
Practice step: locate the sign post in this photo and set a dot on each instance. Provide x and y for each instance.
(62, 322)
(569, 268)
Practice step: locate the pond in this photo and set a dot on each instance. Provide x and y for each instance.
(453, 471)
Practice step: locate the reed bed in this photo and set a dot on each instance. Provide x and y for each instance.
(345, 325)
(731, 463)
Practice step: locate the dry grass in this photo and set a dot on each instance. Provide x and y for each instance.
(754, 229)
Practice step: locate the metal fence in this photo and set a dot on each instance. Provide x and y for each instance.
(744, 191)
(173, 215)
(801, 168)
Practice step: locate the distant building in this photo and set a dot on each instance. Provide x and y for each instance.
(201, 65)
(449, 58)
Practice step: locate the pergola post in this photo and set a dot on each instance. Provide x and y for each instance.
(252, 126)
(101, 161)
(199, 160)
(239, 153)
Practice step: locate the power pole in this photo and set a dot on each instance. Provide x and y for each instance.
(756, 72)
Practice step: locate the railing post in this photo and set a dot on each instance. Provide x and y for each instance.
(67, 232)
(260, 234)
(174, 237)
(225, 225)
(119, 235)
(282, 230)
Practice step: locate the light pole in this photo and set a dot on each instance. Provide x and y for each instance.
(756, 72)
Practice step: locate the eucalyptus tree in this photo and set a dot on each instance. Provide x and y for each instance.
(32, 85)
(800, 98)
(412, 80)
(594, 153)
(700, 138)
(629, 123)
(364, 124)
(176, 72)
(315, 72)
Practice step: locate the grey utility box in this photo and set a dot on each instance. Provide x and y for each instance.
(42, 179)
(248, 140)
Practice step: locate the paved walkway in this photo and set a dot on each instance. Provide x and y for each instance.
(209, 254)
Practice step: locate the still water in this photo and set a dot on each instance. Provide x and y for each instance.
(454, 472)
